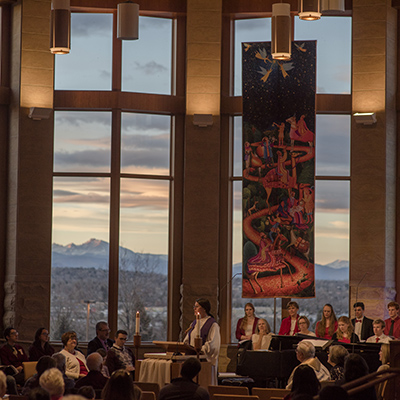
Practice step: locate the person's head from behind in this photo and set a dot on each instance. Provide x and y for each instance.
(333, 392)
(3, 384)
(190, 368)
(305, 350)
(45, 362)
(52, 381)
(94, 362)
(384, 353)
(87, 392)
(120, 386)
(305, 381)
(354, 367)
(38, 394)
(337, 355)
(60, 361)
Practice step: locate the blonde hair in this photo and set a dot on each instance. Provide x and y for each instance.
(52, 381)
(350, 327)
(322, 325)
(244, 320)
(266, 322)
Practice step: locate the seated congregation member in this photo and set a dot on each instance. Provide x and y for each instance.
(345, 332)
(52, 381)
(333, 392)
(40, 346)
(94, 378)
(304, 324)
(362, 325)
(289, 325)
(104, 369)
(120, 387)
(13, 354)
(305, 353)
(120, 356)
(328, 325)
(379, 336)
(247, 325)
(39, 394)
(44, 363)
(87, 392)
(305, 382)
(209, 332)
(61, 361)
(384, 357)
(356, 367)
(336, 357)
(75, 361)
(392, 327)
(102, 340)
(184, 388)
(262, 338)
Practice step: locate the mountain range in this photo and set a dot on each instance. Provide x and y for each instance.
(94, 254)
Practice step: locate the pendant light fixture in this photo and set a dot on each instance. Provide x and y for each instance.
(60, 27)
(128, 21)
(309, 10)
(333, 6)
(281, 32)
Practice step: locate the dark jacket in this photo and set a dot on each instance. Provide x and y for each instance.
(95, 344)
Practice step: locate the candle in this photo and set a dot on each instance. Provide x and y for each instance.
(198, 325)
(137, 323)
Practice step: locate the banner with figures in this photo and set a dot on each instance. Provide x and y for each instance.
(278, 171)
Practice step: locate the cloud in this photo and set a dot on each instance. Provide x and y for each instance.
(249, 25)
(145, 142)
(97, 158)
(77, 118)
(151, 23)
(144, 201)
(86, 24)
(90, 197)
(145, 122)
(59, 193)
(150, 68)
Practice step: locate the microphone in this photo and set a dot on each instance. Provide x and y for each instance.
(359, 285)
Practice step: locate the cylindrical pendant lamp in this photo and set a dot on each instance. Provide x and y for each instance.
(128, 21)
(60, 27)
(309, 10)
(281, 32)
(332, 6)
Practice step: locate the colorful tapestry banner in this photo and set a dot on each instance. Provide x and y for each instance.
(278, 171)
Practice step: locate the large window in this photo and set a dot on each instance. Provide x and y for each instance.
(332, 191)
(112, 180)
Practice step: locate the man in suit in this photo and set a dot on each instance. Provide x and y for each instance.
(363, 326)
(102, 340)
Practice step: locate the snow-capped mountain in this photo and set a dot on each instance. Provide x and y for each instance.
(94, 254)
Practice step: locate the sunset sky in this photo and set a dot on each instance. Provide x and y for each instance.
(83, 139)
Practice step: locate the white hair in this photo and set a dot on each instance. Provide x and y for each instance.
(306, 348)
(52, 381)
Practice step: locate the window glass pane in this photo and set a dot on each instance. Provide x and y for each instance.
(80, 250)
(143, 257)
(264, 307)
(333, 145)
(332, 201)
(88, 65)
(237, 147)
(333, 35)
(82, 141)
(145, 143)
(248, 30)
(146, 63)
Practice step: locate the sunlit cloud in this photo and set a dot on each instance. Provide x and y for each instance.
(78, 118)
(90, 197)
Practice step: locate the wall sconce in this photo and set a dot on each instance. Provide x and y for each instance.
(365, 118)
(60, 27)
(332, 6)
(202, 120)
(281, 32)
(309, 10)
(128, 21)
(38, 113)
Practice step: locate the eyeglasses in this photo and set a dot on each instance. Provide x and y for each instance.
(14, 333)
(105, 330)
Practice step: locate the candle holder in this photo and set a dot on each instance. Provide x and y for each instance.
(198, 343)
(137, 341)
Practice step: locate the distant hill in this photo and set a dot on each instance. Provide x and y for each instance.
(94, 254)
(337, 270)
